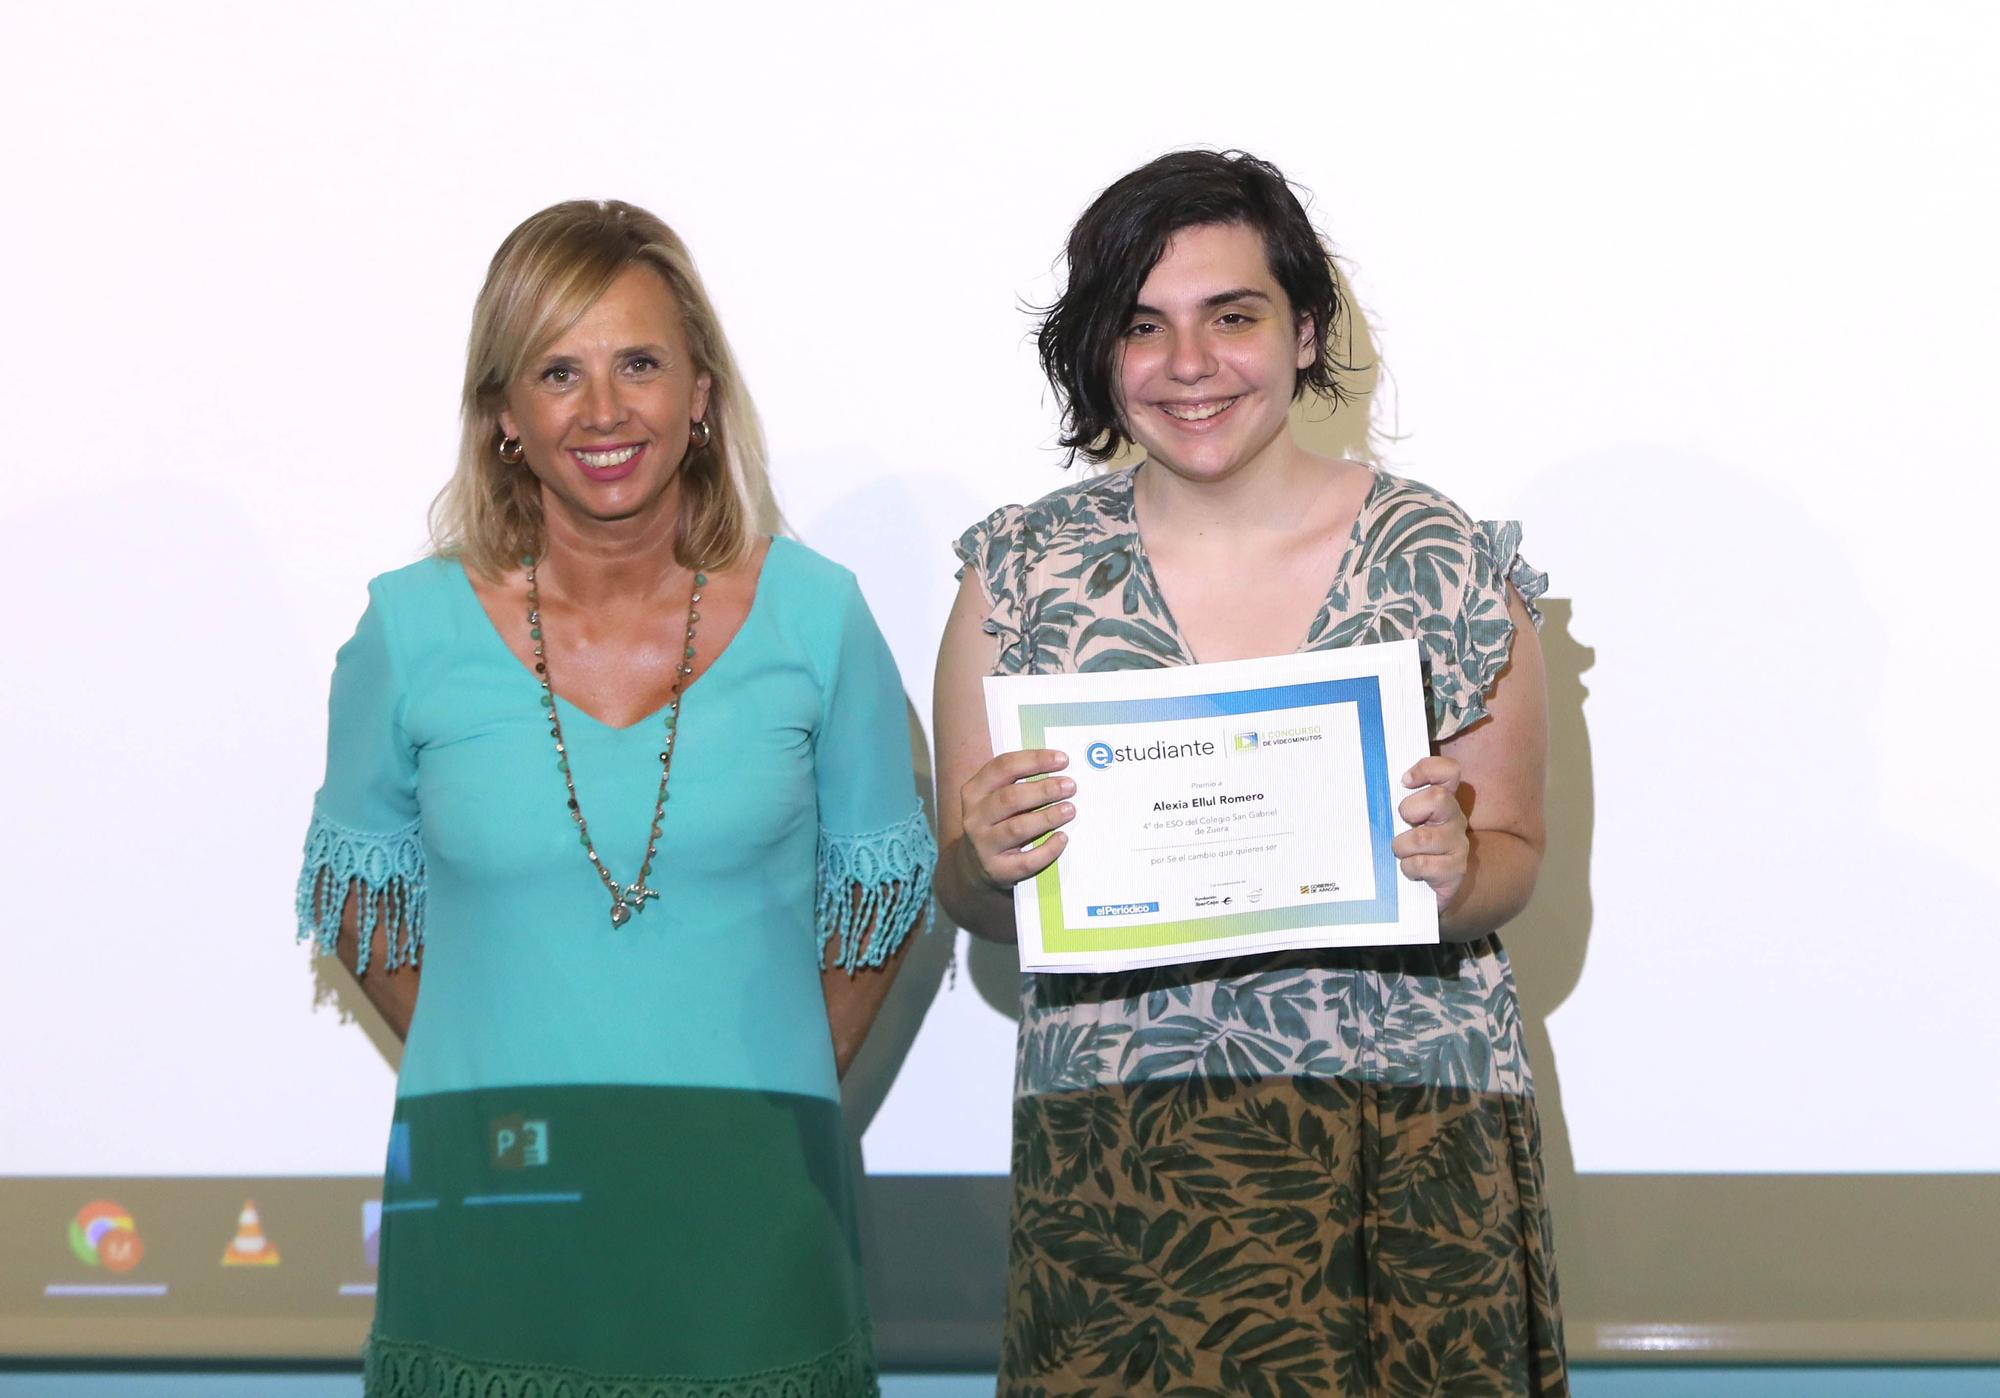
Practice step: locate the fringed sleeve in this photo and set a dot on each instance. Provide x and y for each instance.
(365, 840)
(383, 873)
(873, 889)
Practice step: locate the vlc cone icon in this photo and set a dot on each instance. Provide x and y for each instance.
(250, 1248)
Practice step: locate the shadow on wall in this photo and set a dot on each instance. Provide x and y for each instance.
(1321, 425)
(1548, 942)
(334, 988)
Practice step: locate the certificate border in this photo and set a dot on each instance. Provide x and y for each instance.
(1362, 691)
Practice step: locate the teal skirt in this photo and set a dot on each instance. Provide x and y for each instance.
(619, 1242)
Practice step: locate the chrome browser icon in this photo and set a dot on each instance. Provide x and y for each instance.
(103, 1235)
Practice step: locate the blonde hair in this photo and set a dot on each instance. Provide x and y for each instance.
(546, 274)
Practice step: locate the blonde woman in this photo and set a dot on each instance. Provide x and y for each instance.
(631, 777)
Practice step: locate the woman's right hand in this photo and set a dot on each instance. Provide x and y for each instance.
(1001, 812)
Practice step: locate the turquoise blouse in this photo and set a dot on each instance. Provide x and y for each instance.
(793, 839)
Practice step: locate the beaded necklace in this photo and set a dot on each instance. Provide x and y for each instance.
(632, 897)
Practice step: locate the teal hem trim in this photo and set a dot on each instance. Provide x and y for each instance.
(403, 1369)
(873, 889)
(387, 874)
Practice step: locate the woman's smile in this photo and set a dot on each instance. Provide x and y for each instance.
(1196, 415)
(609, 463)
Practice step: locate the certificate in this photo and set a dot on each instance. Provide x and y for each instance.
(1223, 809)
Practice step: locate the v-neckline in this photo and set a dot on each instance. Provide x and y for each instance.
(1144, 562)
(749, 616)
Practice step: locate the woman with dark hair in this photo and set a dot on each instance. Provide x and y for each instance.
(617, 1163)
(1299, 1172)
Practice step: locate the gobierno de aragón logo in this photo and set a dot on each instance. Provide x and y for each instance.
(1101, 754)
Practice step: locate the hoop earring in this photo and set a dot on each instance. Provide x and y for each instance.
(700, 434)
(511, 451)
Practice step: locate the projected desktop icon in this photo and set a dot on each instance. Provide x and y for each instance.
(103, 1235)
(399, 1153)
(250, 1248)
(520, 1143)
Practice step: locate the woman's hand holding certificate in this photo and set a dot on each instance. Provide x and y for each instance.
(1437, 846)
(1007, 816)
(1217, 810)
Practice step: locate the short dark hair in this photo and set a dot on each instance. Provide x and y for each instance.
(1124, 232)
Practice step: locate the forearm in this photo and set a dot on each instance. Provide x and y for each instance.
(974, 904)
(392, 993)
(852, 1004)
(1500, 872)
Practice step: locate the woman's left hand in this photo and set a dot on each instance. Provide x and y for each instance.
(1437, 846)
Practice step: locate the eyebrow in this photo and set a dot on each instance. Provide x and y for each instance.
(1209, 303)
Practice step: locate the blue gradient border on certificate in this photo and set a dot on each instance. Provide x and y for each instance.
(1364, 692)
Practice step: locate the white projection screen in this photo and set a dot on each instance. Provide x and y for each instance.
(1705, 295)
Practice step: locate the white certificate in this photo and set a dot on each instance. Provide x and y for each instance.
(1223, 809)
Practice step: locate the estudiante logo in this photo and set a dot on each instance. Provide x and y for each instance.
(1102, 755)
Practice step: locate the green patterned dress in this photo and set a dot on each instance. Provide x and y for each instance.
(1303, 1173)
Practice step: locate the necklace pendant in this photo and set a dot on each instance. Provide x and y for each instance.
(632, 897)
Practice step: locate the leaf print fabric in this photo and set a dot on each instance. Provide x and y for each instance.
(1310, 1173)
(1070, 588)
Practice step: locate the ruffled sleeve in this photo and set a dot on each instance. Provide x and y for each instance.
(992, 550)
(1482, 632)
(876, 850)
(365, 840)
